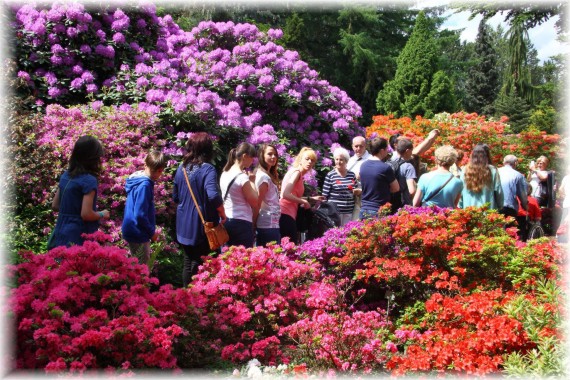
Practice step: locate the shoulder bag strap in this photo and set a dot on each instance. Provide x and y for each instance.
(230, 185)
(438, 190)
(192, 193)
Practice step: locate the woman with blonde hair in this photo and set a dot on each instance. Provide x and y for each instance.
(440, 187)
(292, 190)
(481, 182)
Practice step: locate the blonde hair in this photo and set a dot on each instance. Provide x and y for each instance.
(477, 172)
(445, 155)
(309, 151)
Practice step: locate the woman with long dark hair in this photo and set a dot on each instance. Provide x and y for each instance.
(76, 195)
(481, 182)
(203, 179)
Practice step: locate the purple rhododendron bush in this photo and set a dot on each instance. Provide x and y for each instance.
(229, 79)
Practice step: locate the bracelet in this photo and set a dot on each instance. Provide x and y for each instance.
(100, 214)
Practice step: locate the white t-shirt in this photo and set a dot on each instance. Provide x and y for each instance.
(534, 183)
(235, 203)
(270, 211)
(354, 163)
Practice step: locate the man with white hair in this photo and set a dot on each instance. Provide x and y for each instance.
(514, 186)
(353, 165)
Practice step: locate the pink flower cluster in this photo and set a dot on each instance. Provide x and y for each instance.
(347, 343)
(89, 307)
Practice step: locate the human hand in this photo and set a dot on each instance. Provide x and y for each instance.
(433, 133)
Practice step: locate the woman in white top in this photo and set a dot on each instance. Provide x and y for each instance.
(267, 185)
(240, 195)
(538, 179)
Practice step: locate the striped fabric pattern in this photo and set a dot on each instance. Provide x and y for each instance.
(338, 190)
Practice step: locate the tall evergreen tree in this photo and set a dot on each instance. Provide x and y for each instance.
(518, 73)
(405, 95)
(483, 80)
(515, 107)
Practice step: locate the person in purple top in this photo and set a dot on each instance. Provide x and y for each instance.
(377, 178)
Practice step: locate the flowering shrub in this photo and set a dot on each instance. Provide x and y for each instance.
(464, 333)
(66, 52)
(464, 130)
(245, 295)
(348, 343)
(90, 306)
(229, 79)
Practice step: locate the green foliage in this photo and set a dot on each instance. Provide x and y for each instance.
(410, 92)
(544, 118)
(516, 108)
(441, 97)
(483, 81)
(540, 315)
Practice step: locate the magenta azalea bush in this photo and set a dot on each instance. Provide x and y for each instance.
(89, 307)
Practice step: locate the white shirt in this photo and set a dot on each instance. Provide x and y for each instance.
(270, 211)
(235, 203)
(355, 162)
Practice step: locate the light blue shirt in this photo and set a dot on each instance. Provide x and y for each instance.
(431, 182)
(514, 185)
(492, 194)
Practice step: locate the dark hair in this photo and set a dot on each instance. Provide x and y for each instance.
(199, 149)
(487, 152)
(273, 173)
(156, 160)
(237, 154)
(85, 157)
(403, 145)
(394, 140)
(376, 145)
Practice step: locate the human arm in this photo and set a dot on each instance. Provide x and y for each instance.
(55, 201)
(394, 186)
(87, 212)
(422, 147)
(522, 193)
(417, 202)
(251, 197)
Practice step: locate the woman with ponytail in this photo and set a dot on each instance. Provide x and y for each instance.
(240, 195)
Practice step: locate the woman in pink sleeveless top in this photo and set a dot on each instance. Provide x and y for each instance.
(292, 190)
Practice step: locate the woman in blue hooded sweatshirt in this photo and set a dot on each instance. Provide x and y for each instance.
(139, 225)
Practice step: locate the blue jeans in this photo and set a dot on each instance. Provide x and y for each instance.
(266, 235)
(240, 232)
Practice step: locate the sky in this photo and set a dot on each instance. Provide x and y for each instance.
(543, 37)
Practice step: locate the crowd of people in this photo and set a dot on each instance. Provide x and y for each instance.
(258, 206)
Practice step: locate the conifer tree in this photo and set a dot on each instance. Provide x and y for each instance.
(484, 80)
(406, 94)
